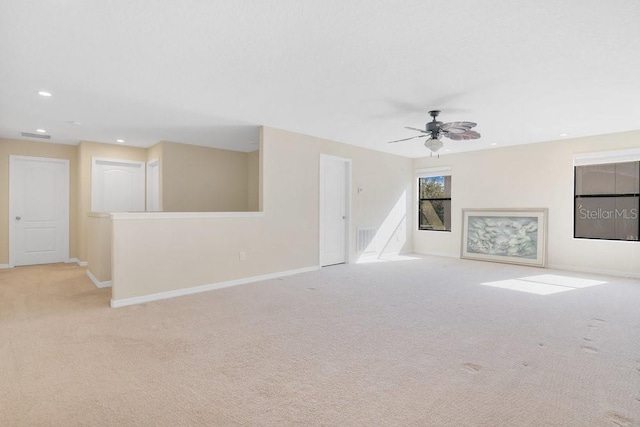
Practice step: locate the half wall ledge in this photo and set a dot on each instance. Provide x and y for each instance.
(184, 215)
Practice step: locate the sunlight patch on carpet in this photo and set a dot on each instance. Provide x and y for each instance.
(544, 284)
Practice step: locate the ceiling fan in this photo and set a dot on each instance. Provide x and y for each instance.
(435, 130)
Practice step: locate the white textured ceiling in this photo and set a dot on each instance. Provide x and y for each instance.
(209, 72)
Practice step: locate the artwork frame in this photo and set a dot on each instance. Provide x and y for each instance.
(514, 236)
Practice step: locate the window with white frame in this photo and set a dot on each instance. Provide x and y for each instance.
(607, 196)
(434, 200)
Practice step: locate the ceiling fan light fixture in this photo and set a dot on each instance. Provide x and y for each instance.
(434, 130)
(433, 144)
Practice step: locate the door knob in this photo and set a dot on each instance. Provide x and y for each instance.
(18, 218)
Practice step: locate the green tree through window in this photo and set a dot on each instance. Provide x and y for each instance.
(434, 203)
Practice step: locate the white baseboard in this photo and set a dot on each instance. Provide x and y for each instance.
(71, 260)
(604, 272)
(204, 288)
(614, 273)
(99, 284)
(438, 254)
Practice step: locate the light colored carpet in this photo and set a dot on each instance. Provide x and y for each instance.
(416, 342)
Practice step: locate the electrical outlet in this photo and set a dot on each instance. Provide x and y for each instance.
(242, 255)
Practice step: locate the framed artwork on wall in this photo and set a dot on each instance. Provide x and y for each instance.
(516, 236)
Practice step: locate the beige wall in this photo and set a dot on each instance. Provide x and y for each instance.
(291, 189)
(155, 152)
(160, 255)
(535, 175)
(253, 180)
(37, 149)
(232, 197)
(99, 246)
(202, 179)
(86, 151)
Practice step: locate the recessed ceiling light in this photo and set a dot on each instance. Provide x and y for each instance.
(447, 150)
(120, 141)
(494, 143)
(564, 134)
(44, 93)
(41, 131)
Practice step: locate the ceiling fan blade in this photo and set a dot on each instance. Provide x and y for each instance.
(463, 136)
(416, 129)
(457, 127)
(406, 139)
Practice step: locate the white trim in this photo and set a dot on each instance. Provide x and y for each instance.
(5, 266)
(348, 184)
(615, 273)
(99, 284)
(184, 215)
(440, 254)
(151, 164)
(602, 157)
(77, 261)
(204, 288)
(435, 171)
(331, 156)
(99, 215)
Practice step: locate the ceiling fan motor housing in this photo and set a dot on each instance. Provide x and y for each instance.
(433, 126)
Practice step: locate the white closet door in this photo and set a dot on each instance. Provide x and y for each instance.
(38, 210)
(117, 185)
(334, 209)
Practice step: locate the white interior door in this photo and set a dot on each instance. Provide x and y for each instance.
(117, 185)
(38, 210)
(334, 209)
(153, 186)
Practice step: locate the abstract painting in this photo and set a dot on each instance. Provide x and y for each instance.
(505, 235)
